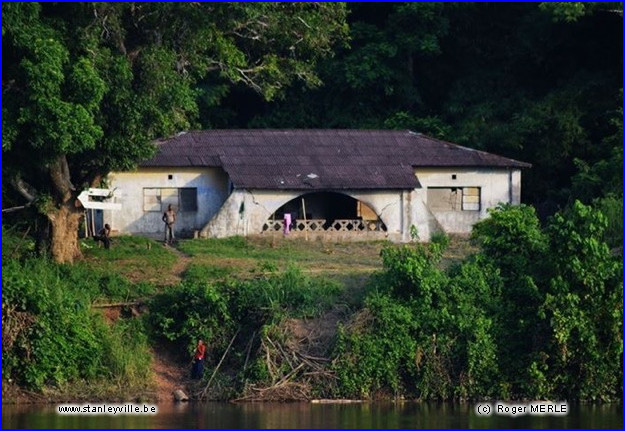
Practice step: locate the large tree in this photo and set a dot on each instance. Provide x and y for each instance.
(86, 87)
(537, 82)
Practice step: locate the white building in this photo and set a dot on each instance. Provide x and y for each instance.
(347, 184)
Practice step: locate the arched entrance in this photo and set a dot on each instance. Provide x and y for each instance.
(326, 212)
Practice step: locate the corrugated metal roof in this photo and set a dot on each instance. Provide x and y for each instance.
(319, 159)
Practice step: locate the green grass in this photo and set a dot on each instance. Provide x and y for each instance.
(202, 273)
(137, 258)
(286, 250)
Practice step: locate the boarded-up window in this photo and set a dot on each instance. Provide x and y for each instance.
(471, 199)
(365, 212)
(158, 199)
(454, 198)
(152, 200)
(169, 196)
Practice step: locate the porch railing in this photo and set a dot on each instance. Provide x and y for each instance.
(319, 225)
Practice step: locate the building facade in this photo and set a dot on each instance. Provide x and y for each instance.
(343, 184)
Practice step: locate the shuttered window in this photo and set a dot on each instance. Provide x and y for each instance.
(157, 199)
(454, 198)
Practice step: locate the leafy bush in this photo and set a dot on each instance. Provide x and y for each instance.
(612, 208)
(183, 314)
(583, 307)
(428, 334)
(51, 335)
(290, 292)
(511, 237)
(536, 313)
(440, 238)
(411, 272)
(378, 350)
(213, 311)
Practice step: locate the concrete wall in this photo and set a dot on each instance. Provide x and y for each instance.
(496, 186)
(212, 190)
(244, 212)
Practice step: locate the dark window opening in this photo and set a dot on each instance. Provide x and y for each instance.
(188, 199)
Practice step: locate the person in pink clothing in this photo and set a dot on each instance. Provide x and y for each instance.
(287, 223)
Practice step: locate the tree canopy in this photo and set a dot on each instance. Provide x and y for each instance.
(87, 86)
(540, 83)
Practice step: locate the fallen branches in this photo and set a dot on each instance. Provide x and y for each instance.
(294, 353)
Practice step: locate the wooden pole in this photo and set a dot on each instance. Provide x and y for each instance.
(219, 365)
(305, 227)
(92, 222)
(86, 224)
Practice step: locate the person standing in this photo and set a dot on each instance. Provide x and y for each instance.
(169, 217)
(198, 360)
(287, 223)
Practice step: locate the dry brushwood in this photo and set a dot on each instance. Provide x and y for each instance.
(14, 323)
(295, 359)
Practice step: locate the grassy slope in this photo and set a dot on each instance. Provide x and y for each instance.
(148, 267)
(144, 260)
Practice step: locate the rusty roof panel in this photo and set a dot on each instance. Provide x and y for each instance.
(319, 159)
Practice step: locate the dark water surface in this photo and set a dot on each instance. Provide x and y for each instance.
(304, 415)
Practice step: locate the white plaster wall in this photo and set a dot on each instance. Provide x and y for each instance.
(392, 208)
(243, 212)
(212, 191)
(258, 205)
(496, 186)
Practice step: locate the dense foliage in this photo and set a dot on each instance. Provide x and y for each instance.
(213, 311)
(537, 313)
(51, 335)
(540, 83)
(86, 87)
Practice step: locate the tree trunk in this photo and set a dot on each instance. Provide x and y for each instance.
(42, 234)
(64, 233)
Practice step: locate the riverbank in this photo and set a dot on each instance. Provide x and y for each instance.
(293, 320)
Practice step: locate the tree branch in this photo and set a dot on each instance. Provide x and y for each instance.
(24, 189)
(13, 209)
(248, 80)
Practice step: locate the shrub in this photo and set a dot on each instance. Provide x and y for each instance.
(441, 239)
(53, 335)
(183, 314)
(377, 351)
(583, 307)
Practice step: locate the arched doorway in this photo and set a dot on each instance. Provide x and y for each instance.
(326, 211)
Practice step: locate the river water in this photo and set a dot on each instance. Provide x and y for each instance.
(305, 415)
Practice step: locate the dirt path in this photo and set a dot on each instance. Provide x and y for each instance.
(169, 376)
(184, 260)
